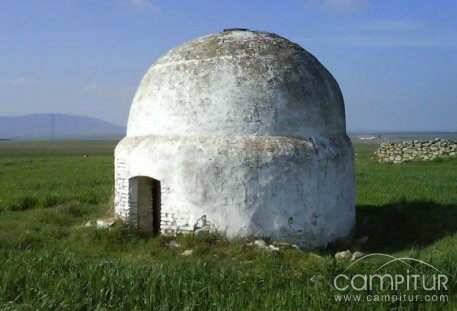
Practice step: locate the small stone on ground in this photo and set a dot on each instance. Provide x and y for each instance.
(356, 256)
(105, 223)
(173, 244)
(187, 252)
(345, 255)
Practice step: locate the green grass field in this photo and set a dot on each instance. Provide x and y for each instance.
(51, 261)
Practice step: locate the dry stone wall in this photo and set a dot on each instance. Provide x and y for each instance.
(398, 152)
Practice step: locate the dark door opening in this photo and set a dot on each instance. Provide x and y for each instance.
(147, 191)
(155, 207)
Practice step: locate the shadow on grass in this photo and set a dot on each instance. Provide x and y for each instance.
(404, 225)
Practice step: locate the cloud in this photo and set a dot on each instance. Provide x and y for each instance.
(392, 25)
(339, 5)
(19, 81)
(374, 40)
(390, 33)
(144, 4)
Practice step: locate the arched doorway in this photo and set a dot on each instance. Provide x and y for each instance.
(145, 195)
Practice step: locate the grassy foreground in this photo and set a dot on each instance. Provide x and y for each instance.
(51, 261)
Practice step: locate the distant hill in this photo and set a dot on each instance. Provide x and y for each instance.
(41, 126)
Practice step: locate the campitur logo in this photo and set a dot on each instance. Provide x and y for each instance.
(415, 280)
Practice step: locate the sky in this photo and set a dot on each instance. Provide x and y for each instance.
(395, 61)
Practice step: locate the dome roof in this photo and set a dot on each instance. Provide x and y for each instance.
(237, 82)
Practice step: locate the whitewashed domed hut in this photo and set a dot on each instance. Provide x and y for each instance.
(242, 132)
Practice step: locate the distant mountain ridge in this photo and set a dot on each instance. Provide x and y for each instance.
(57, 126)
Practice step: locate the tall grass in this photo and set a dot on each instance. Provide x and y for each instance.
(42, 182)
(33, 280)
(51, 261)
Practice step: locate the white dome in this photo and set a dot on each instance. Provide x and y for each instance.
(237, 83)
(241, 131)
